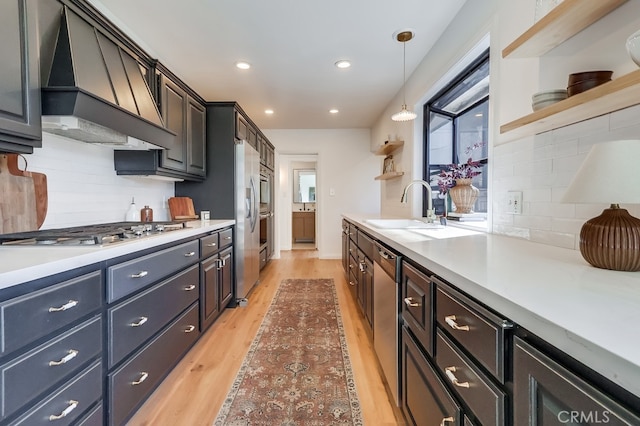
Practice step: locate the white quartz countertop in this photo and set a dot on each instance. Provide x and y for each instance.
(25, 263)
(591, 314)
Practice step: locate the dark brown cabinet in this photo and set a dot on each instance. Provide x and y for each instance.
(546, 393)
(184, 116)
(20, 126)
(425, 398)
(216, 272)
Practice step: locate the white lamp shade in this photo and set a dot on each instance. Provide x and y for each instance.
(609, 174)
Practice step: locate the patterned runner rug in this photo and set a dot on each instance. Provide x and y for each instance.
(297, 371)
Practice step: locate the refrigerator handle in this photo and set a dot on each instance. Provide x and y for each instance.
(253, 206)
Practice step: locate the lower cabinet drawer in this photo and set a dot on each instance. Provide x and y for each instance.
(486, 400)
(425, 398)
(544, 392)
(130, 384)
(27, 318)
(226, 238)
(417, 311)
(30, 374)
(128, 277)
(482, 333)
(263, 258)
(67, 404)
(136, 320)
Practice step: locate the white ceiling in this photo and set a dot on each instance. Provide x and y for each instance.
(292, 46)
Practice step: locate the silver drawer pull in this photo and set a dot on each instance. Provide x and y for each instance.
(352, 283)
(451, 320)
(385, 255)
(452, 377)
(361, 265)
(140, 274)
(211, 245)
(190, 328)
(71, 355)
(72, 406)
(190, 287)
(227, 238)
(409, 302)
(190, 254)
(70, 304)
(142, 378)
(138, 323)
(447, 420)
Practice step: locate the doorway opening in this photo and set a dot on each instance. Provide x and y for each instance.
(300, 202)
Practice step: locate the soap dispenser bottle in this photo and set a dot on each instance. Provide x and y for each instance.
(133, 214)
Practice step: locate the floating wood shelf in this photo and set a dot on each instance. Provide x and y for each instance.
(389, 175)
(560, 24)
(389, 147)
(617, 94)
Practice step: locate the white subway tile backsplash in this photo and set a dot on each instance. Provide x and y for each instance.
(542, 167)
(83, 187)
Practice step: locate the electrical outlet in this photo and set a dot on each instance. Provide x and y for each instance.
(514, 202)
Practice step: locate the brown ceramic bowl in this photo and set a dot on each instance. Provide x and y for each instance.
(589, 75)
(583, 86)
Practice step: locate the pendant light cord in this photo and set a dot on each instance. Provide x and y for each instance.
(404, 73)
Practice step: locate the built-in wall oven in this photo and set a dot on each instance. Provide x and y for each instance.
(265, 190)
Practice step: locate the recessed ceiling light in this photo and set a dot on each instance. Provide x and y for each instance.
(243, 65)
(268, 111)
(343, 63)
(334, 111)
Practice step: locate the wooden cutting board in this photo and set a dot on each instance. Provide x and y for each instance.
(17, 200)
(40, 187)
(181, 208)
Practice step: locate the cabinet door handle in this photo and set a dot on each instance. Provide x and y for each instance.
(190, 328)
(211, 245)
(140, 274)
(451, 321)
(72, 406)
(361, 266)
(352, 283)
(453, 379)
(138, 323)
(190, 254)
(68, 357)
(70, 304)
(142, 378)
(409, 302)
(190, 287)
(446, 420)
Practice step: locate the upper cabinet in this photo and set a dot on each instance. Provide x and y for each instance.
(20, 127)
(565, 20)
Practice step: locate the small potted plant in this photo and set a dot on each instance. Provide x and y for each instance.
(456, 181)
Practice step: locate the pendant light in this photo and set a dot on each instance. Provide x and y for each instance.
(404, 114)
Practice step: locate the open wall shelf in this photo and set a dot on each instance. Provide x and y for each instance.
(389, 147)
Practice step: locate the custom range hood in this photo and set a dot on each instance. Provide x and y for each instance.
(97, 93)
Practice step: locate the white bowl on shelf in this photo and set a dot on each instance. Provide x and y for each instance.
(633, 47)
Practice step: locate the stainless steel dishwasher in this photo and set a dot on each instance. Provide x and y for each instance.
(385, 314)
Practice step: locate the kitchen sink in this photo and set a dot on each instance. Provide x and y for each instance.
(402, 224)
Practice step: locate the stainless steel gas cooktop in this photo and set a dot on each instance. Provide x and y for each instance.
(102, 234)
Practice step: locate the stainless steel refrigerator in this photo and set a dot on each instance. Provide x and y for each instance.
(247, 186)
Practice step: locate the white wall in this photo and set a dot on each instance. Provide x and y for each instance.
(83, 187)
(345, 165)
(539, 166)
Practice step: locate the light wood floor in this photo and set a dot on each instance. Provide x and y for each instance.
(193, 392)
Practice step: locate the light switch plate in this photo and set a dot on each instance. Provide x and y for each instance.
(514, 202)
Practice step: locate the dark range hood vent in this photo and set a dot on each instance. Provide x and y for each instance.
(102, 88)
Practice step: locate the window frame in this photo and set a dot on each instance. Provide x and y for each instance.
(428, 109)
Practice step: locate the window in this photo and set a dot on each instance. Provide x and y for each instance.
(456, 129)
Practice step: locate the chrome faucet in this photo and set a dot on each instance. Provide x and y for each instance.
(431, 215)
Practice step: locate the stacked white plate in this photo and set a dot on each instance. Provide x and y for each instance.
(547, 97)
